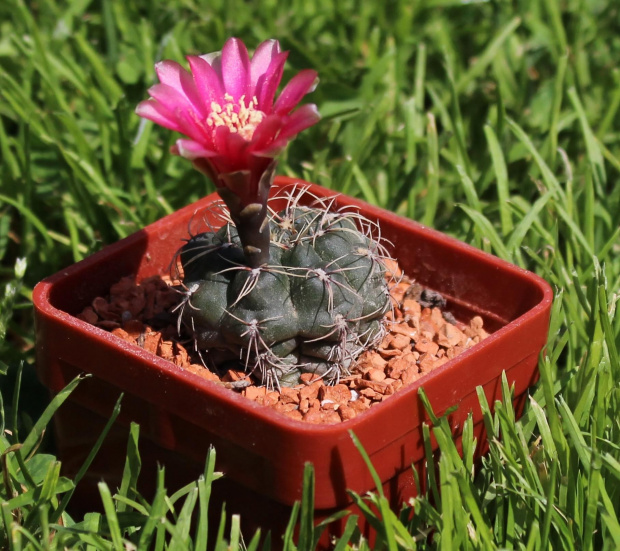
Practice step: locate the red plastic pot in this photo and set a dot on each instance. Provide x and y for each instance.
(262, 452)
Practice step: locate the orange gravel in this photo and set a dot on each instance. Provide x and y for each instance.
(420, 338)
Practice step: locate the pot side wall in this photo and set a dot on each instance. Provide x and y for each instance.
(257, 447)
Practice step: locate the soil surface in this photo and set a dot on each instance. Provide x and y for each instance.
(421, 336)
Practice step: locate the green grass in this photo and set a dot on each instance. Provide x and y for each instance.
(494, 121)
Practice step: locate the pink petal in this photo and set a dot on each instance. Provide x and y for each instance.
(220, 140)
(208, 83)
(297, 88)
(193, 150)
(173, 75)
(273, 150)
(268, 83)
(169, 97)
(261, 60)
(156, 112)
(214, 59)
(235, 67)
(266, 132)
(237, 148)
(192, 126)
(299, 120)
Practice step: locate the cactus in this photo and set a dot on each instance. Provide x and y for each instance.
(313, 307)
(302, 290)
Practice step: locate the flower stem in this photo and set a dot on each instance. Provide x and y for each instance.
(249, 214)
(254, 232)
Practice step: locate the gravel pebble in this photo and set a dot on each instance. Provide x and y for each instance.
(420, 337)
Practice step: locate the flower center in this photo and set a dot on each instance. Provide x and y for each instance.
(240, 118)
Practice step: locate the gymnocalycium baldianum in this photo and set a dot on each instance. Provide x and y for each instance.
(299, 290)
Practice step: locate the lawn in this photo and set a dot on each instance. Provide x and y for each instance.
(494, 121)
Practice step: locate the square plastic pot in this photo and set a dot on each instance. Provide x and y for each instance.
(261, 452)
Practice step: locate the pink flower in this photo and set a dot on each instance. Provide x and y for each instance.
(225, 109)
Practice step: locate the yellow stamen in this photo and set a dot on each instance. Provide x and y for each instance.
(238, 117)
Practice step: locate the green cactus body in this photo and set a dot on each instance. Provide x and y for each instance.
(314, 307)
